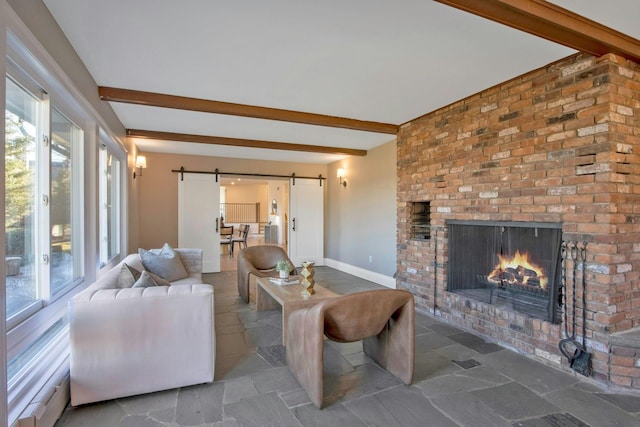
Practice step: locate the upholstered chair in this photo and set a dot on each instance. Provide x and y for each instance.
(261, 262)
(383, 319)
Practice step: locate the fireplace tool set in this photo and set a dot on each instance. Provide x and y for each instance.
(579, 359)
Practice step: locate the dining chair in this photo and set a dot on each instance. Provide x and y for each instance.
(226, 237)
(241, 239)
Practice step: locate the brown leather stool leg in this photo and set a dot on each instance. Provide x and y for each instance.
(394, 347)
(304, 350)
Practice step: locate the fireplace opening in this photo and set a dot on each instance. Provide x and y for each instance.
(515, 265)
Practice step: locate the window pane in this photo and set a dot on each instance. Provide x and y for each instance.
(109, 205)
(65, 248)
(27, 357)
(21, 121)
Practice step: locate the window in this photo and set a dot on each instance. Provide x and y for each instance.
(22, 124)
(51, 133)
(44, 230)
(43, 191)
(109, 205)
(65, 209)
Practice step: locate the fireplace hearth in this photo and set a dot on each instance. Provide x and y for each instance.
(516, 265)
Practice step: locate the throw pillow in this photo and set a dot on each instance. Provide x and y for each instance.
(128, 276)
(149, 279)
(166, 263)
(159, 280)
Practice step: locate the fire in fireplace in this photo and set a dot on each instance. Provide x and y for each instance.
(518, 272)
(510, 264)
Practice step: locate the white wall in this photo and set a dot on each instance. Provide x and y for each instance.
(250, 193)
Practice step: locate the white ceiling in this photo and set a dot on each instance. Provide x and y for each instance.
(378, 60)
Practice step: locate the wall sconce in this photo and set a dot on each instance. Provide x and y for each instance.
(141, 163)
(343, 182)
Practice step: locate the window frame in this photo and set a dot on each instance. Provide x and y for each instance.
(78, 202)
(107, 143)
(37, 93)
(31, 323)
(24, 53)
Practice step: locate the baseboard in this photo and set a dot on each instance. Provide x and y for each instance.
(45, 409)
(362, 273)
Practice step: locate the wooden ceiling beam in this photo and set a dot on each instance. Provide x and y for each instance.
(554, 23)
(236, 142)
(218, 107)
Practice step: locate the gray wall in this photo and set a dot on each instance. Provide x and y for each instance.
(360, 219)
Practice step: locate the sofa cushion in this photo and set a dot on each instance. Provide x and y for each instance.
(149, 279)
(128, 276)
(166, 263)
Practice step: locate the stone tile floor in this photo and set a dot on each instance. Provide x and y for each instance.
(460, 380)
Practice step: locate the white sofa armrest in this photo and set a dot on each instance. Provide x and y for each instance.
(139, 340)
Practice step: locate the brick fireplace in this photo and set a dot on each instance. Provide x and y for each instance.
(559, 145)
(513, 263)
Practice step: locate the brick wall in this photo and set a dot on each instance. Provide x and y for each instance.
(560, 144)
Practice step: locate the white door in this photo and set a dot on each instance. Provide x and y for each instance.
(198, 217)
(306, 223)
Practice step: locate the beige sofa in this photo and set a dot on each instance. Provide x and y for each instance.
(132, 341)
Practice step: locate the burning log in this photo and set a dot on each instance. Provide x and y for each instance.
(507, 276)
(512, 273)
(518, 270)
(533, 281)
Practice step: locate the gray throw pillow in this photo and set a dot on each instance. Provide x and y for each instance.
(149, 279)
(159, 280)
(166, 263)
(128, 276)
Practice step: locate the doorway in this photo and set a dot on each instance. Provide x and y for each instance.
(263, 204)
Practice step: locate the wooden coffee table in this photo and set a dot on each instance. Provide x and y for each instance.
(270, 296)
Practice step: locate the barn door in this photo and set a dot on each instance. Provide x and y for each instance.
(306, 226)
(198, 217)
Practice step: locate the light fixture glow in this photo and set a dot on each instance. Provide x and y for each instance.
(141, 163)
(340, 174)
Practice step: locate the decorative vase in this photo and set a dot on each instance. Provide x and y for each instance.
(284, 274)
(307, 278)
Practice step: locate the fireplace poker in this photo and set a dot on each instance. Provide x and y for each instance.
(571, 253)
(580, 360)
(435, 269)
(563, 288)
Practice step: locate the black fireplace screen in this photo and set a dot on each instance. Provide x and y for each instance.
(510, 264)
